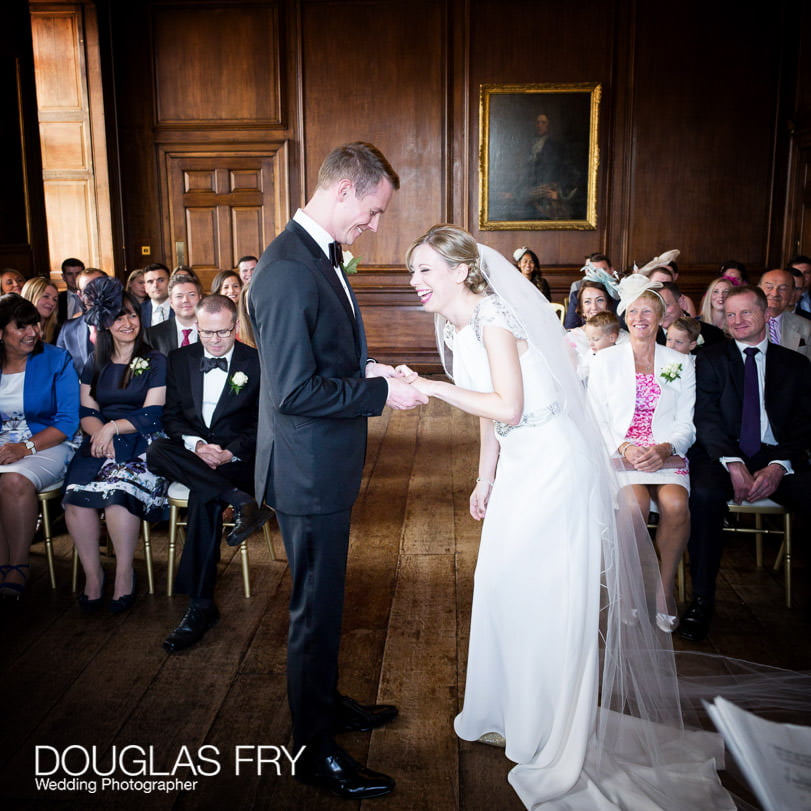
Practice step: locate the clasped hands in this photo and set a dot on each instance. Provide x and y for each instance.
(12, 452)
(101, 442)
(212, 454)
(754, 486)
(404, 389)
(650, 459)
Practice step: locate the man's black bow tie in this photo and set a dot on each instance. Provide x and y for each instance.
(207, 364)
(336, 255)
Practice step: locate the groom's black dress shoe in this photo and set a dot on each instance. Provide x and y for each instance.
(248, 518)
(340, 774)
(353, 717)
(695, 624)
(196, 621)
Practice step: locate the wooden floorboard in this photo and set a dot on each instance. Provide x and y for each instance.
(106, 682)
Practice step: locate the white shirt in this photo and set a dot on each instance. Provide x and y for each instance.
(213, 384)
(324, 240)
(766, 433)
(160, 312)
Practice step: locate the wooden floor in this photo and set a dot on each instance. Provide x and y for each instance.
(105, 682)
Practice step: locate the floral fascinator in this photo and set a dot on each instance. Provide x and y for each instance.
(658, 262)
(632, 287)
(104, 298)
(607, 280)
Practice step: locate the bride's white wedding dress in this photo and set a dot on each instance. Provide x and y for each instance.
(534, 664)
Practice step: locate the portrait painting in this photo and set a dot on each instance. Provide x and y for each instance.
(538, 156)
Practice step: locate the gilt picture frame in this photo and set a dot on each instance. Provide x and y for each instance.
(538, 156)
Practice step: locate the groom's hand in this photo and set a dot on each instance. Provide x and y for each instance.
(403, 395)
(375, 369)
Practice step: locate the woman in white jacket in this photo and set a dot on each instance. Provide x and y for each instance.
(643, 395)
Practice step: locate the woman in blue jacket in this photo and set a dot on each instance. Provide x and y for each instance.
(39, 417)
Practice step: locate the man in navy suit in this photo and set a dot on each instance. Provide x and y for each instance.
(747, 448)
(69, 303)
(318, 389)
(184, 294)
(212, 394)
(156, 309)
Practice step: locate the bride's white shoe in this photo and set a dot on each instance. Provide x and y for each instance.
(493, 739)
(666, 622)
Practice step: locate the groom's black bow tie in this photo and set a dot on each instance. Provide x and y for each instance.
(336, 256)
(207, 364)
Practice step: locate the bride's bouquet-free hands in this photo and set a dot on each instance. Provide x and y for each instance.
(410, 376)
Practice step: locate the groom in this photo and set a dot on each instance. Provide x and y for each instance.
(318, 388)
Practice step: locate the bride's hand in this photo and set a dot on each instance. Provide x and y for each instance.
(479, 498)
(405, 373)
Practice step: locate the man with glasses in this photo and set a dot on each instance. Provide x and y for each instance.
(210, 416)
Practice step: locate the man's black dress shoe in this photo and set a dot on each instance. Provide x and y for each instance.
(695, 623)
(341, 775)
(353, 717)
(248, 518)
(196, 621)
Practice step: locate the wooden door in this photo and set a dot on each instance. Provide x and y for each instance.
(223, 206)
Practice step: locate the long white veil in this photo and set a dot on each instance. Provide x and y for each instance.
(639, 725)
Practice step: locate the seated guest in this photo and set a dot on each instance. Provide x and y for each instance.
(227, 283)
(753, 429)
(156, 309)
(602, 331)
(673, 298)
(45, 297)
(785, 328)
(74, 335)
(123, 388)
(734, 272)
(668, 261)
(643, 396)
(136, 286)
(803, 264)
(70, 302)
(184, 294)
(528, 263)
(712, 303)
(39, 415)
(245, 267)
(185, 270)
(595, 262)
(210, 417)
(683, 334)
(799, 289)
(11, 281)
(592, 298)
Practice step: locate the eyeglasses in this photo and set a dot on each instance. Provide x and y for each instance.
(210, 333)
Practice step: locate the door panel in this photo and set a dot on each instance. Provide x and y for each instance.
(223, 206)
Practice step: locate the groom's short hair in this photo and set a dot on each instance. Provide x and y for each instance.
(215, 303)
(362, 163)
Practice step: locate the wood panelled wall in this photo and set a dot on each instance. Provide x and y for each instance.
(693, 137)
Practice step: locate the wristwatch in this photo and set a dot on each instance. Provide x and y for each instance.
(31, 446)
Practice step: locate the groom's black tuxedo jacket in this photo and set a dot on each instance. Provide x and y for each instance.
(315, 398)
(719, 403)
(233, 424)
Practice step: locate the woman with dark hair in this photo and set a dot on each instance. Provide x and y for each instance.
(734, 272)
(530, 266)
(227, 283)
(39, 416)
(123, 389)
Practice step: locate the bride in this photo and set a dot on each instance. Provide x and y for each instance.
(564, 662)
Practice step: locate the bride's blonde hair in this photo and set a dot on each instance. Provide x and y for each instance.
(456, 246)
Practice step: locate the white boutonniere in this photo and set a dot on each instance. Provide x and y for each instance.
(139, 365)
(238, 381)
(671, 372)
(350, 264)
